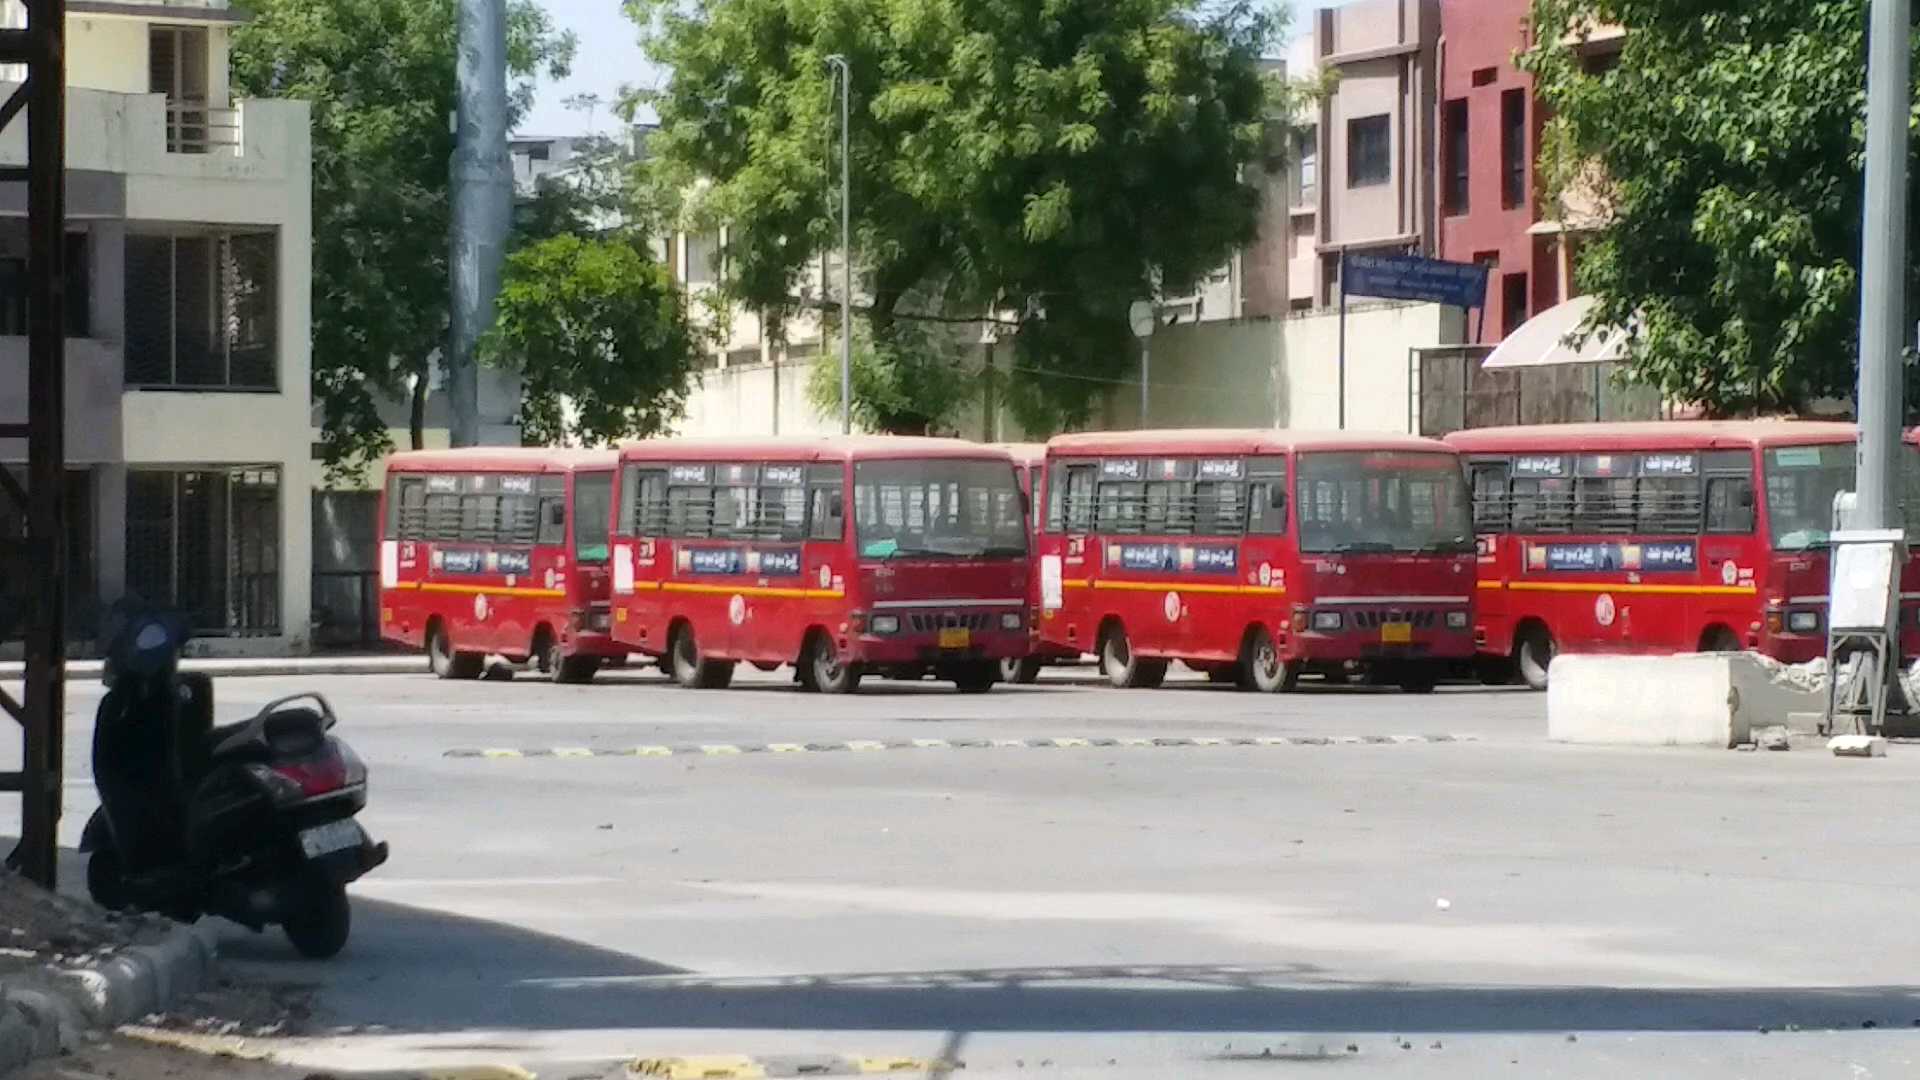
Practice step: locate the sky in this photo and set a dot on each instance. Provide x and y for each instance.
(610, 56)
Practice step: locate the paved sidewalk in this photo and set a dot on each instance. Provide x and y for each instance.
(385, 664)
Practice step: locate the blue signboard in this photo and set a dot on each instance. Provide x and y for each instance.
(784, 563)
(510, 562)
(714, 561)
(1668, 557)
(1178, 559)
(1216, 560)
(1412, 277)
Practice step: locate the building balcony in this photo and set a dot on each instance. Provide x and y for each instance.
(148, 135)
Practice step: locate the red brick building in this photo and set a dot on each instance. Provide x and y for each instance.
(1489, 134)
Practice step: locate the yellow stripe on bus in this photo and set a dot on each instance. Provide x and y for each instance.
(752, 590)
(1626, 587)
(1187, 587)
(490, 590)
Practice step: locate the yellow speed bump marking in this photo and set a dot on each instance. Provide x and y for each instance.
(573, 751)
(1133, 742)
(719, 1067)
(786, 748)
(653, 751)
(933, 744)
(865, 745)
(496, 753)
(1072, 744)
(480, 1072)
(719, 750)
(903, 1065)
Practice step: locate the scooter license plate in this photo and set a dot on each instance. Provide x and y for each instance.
(329, 838)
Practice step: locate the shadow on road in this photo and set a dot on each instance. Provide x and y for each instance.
(414, 970)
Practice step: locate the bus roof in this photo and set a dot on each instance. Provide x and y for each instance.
(500, 459)
(1232, 441)
(1652, 435)
(1024, 453)
(828, 448)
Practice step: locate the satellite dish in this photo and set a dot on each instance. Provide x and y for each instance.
(1141, 315)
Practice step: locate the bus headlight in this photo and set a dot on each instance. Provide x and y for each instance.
(1011, 621)
(886, 624)
(1328, 621)
(1803, 622)
(1456, 620)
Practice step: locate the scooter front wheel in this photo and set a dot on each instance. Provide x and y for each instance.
(106, 883)
(319, 924)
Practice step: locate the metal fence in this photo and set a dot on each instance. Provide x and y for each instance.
(206, 543)
(346, 609)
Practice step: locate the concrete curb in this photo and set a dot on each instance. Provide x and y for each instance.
(232, 668)
(47, 1013)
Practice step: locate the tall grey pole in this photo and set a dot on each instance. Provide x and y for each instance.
(482, 199)
(1883, 264)
(839, 63)
(1146, 377)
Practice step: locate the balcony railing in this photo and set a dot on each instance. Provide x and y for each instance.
(195, 127)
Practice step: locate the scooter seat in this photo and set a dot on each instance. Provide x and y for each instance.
(264, 734)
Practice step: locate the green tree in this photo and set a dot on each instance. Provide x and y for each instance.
(1050, 160)
(1725, 147)
(380, 77)
(914, 384)
(598, 332)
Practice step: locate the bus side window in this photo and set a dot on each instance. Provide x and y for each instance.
(1492, 506)
(1077, 495)
(553, 520)
(1730, 504)
(1669, 506)
(828, 515)
(443, 516)
(409, 516)
(1267, 515)
(1541, 506)
(519, 520)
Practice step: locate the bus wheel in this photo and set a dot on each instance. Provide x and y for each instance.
(1261, 668)
(1125, 670)
(693, 671)
(1024, 671)
(448, 664)
(828, 674)
(977, 677)
(575, 669)
(1534, 655)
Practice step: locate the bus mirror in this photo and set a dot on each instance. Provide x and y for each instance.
(1277, 498)
(1026, 505)
(836, 506)
(556, 514)
(1746, 498)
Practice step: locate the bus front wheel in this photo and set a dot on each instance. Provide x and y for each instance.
(1534, 655)
(694, 671)
(1023, 671)
(447, 663)
(1261, 668)
(826, 672)
(976, 677)
(1125, 670)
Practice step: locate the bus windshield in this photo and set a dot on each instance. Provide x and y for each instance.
(592, 509)
(1383, 501)
(1801, 484)
(940, 507)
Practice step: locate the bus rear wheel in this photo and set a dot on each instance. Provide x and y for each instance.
(1022, 671)
(1534, 654)
(1420, 678)
(446, 663)
(976, 677)
(1261, 668)
(1125, 671)
(1720, 639)
(826, 673)
(693, 671)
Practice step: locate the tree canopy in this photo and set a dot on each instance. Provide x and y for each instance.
(380, 77)
(1052, 161)
(1725, 145)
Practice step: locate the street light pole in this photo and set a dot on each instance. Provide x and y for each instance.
(840, 65)
(1883, 264)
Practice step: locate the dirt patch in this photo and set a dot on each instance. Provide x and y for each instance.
(123, 1058)
(241, 1009)
(40, 928)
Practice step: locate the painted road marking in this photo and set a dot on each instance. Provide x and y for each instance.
(877, 745)
(744, 1067)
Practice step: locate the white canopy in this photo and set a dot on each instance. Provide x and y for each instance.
(1542, 340)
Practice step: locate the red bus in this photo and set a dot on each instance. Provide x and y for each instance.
(1670, 536)
(1257, 556)
(844, 556)
(499, 550)
(1030, 460)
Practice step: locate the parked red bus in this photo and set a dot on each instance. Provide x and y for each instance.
(499, 550)
(842, 556)
(1672, 536)
(1258, 555)
(1030, 460)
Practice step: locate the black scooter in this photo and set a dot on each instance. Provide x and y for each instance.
(251, 821)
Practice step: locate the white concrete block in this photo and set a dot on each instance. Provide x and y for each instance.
(1707, 699)
(1858, 746)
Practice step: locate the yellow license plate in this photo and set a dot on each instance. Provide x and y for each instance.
(1396, 633)
(958, 638)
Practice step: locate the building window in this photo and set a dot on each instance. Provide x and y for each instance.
(1369, 151)
(703, 258)
(1306, 166)
(14, 290)
(201, 311)
(178, 65)
(1453, 123)
(1485, 76)
(1513, 302)
(205, 544)
(1513, 148)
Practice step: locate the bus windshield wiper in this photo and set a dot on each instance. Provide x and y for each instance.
(1364, 547)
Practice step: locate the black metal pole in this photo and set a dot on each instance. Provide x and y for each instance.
(45, 705)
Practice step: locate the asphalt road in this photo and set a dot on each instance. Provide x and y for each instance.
(1034, 888)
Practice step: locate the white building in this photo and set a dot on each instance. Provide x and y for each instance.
(189, 241)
